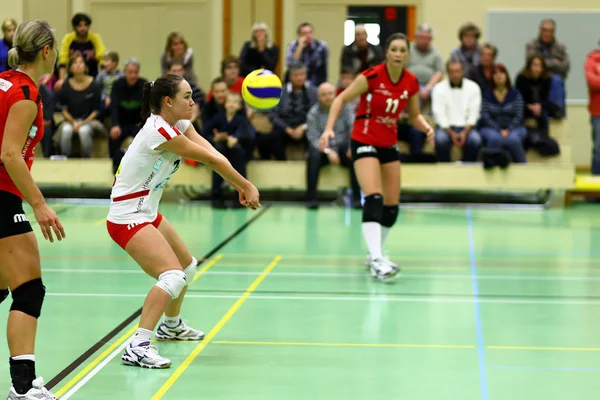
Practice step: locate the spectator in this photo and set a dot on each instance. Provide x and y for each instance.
(177, 68)
(126, 108)
(230, 72)
(9, 26)
(468, 51)
(231, 134)
(289, 117)
(346, 78)
(426, 63)
(260, 51)
(533, 82)
(502, 116)
(361, 54)
(106, 78)
(456, 108)
(313, 53)
(482, 73)
(80, 41)
(592, 74)
(338, 152)
(80, 104)
(177, 49)
(557, 61)
(48, 105)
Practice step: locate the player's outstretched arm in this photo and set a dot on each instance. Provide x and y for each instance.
(416, 118)
(358, 86)
(187, 148)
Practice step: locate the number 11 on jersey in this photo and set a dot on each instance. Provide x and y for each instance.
(392, 105)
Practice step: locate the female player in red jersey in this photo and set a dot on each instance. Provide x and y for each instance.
(385, 89)
(21, 129)
(135, 224)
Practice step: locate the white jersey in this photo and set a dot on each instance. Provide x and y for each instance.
(144, 172)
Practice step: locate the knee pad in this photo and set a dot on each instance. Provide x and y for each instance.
(390, 215)
(172, 282)
(190, 270)
(3, 294)
(28, 298)
(373, 208)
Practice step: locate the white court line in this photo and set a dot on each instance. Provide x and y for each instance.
(346, 275)
(93, 372)
(404, 299)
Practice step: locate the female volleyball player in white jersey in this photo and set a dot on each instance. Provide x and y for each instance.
(135, 224)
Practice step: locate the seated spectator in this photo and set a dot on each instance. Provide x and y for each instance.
(106, 78)
(338, 152)
(177, 49)
(289, 117)
(231, 134)
(259, 52)
(426, 63)
(361, 54)
(311, 52)
(468, 52)
(49, 106)
(502, 116)
(80, 104)
(482, 73)
(346, 78)
(80, 41)
(557, 61)
(177, 68)
(456, 107)
(126, 107)
(9, 26)
(230, 72)
(216, 103)
(533, 82)
(592, 75)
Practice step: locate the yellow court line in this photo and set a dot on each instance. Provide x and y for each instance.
(186, 363)
(544, 348)
(100, 221)
(121, 339)
(323, 344)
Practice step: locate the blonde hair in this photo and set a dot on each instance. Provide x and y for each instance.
(30, 37)
(8, 22)
(264, 27)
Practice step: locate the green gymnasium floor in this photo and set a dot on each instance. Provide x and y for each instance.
(491, 304)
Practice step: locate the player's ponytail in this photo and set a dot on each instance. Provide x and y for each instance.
(30, 37)
(154, 92)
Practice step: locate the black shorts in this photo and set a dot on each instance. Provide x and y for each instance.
(384, 154)
(13, 220)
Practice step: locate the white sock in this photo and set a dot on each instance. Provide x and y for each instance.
(141, 336)
(29, 357)
(385, 231)
(372, 234)
(172, 322)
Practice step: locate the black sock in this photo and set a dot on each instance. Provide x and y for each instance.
(22, 373)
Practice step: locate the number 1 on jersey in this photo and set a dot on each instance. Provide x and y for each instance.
(392, 105)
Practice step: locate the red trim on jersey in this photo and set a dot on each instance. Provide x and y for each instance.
(122, 233)
(164, 133)
(132, 195)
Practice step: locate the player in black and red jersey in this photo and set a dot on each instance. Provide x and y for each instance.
(385, 89)
(21, 129)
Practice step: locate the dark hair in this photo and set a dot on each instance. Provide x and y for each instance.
(453, 60)
(347, 70)
(302, 25)
(395, 36)
(501, 68)
(78, 18)
(154, 92)
(74, 57)
(173, 63)
(229, 60)
(469, 28)
(527, 70)
(218, 79)
(112, 55)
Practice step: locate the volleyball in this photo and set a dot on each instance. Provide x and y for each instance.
(261, 90)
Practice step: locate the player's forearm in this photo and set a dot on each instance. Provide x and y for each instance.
(420, 123)
(334, 112)
(223, 167)
(20, 175)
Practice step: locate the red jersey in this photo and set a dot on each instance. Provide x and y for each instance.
(16, 86)
(376, 121)
(236, 88)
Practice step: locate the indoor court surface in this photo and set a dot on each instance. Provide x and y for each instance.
(491, 304)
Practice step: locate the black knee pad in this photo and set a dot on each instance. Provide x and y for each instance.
(390, 215)
(3, 294)
(28, 298)
(373, 208)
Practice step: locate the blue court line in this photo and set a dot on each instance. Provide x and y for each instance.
(478, 324)
(524, 367)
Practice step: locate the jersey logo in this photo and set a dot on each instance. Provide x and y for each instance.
(33, 131)
(20, 218)
(5, 85)
(158, 164)
(366, 149)
(404, 95)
